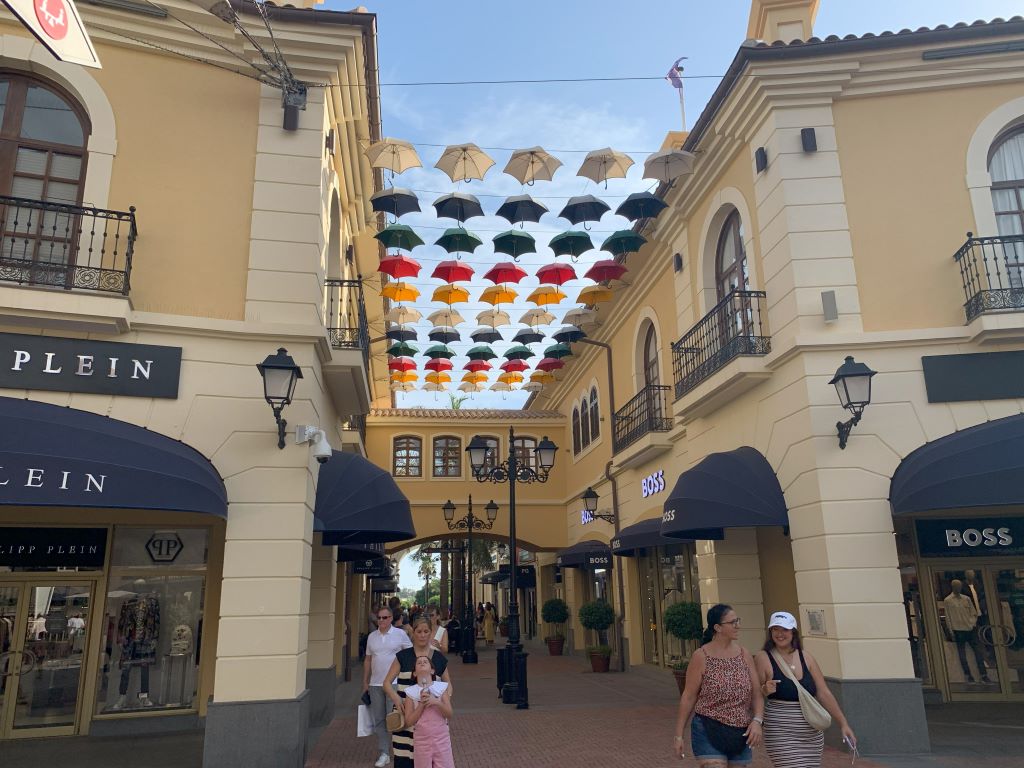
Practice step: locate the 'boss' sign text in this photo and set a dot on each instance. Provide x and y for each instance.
(973, 537)
(653, 484)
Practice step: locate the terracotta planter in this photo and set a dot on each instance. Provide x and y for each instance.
(680, 676)
(599, 662)
(503, 630)
(555, 645)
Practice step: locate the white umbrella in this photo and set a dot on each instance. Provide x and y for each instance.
(393, 154)
(500, 386)
(603, 164)
(534, 164)
(537, 316)
(493, 318)
(447, 316)
(464, 161)
(532, 386)
(402, 386)
(668, 165)
(580, 317)
(402, 315)
(467, 387)
(432, 386)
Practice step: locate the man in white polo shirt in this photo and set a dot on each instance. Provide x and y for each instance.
(381, 647)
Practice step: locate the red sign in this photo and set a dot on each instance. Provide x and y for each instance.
(53, 17)
(58, 26)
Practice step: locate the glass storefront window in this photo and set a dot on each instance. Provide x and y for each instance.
(668, 575)
(916, 621)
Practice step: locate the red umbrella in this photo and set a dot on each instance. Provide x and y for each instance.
(401, 364)
(505, 272)
(453, 272)
(439, 364)
(558, 274)
(607, 269)
(550, 364)
(515, 365)
(399, 266)
(477, 365)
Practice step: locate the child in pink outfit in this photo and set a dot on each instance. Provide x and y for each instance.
(428, 707)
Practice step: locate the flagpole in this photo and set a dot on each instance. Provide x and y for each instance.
(682, 103)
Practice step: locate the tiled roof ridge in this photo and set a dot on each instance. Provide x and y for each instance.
(886, 33)
(468, 413)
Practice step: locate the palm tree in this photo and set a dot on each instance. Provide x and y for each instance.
(457, 401)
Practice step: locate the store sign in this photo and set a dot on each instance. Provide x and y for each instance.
(377, 567)
(83, 365)
(384, 585)
(164, 546)
(971, 537)
(52, 547)
(653, 484)
(599, 561)
(586, 517)
(57, 25)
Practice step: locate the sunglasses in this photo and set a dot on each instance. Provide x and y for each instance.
(734, 622)
(384, 616)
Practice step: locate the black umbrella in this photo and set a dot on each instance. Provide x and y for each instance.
(401, 334)
(444, 334)
(485, 335)
(584, 208)
(458, 206)
(568, 334)
(527, 336)
(520, 208)
(396, 201)
(641, 205)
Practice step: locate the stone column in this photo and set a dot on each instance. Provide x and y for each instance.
(730, 573)
(321, 672)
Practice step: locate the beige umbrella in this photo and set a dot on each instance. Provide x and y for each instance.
(402, 386)
(534, 164)
(532, 386)
(464, 161)
(402, 315)
(447, 316)
(434, 386)
(493, 318)
(604, 164)
(668, 165)
(393, 154)
(537, 316)
(467, 386)
(580, 317)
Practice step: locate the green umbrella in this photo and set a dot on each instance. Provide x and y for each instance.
(571, 243)
(558, 351)
(515, 243)
(399, 236)
(458, 239)
(402, 349)
(481, 352)
(519, 352)
(440, 350)
(622, 242)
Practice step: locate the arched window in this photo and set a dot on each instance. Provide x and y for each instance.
(447, 457)
(584, 423)
(1006, 166)
(731, 273)
(652, 374)
(526, 452)
(595, 415)
(407, 457)
(575, 430)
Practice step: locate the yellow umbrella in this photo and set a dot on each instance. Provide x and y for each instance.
(546, 294)
(595, 294)
(474, 378)
(511, 377)
(498, 294)
(450, 294)
(542, 377)
(438, 377)
(400, 292)
(403, 376)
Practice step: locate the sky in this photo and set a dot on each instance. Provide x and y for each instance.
(427, 42)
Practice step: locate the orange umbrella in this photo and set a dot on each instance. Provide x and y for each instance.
(511, 377)
(400, 292)
(438, 377)
(542, 377)
(498, 294)
(594, 294)
(546, 294)
(450, 294)
(403, 376)
(474, 377)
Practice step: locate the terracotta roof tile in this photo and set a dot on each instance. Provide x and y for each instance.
(887, 33)
(464, 413)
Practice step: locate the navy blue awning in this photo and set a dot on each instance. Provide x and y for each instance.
(494, 577)
(56, 456)
(586, 554)
(643, 535)
(357, 502)
(348, 553)
(980, 466)
(734, 489)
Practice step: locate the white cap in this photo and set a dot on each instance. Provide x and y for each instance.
(782, 619)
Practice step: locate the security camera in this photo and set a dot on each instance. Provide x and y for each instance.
(317, 440)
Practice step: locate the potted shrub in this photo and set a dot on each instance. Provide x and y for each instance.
(598, 616)
(683, 621)
(555, 611)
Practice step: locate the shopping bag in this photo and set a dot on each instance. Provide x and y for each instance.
(364, 722)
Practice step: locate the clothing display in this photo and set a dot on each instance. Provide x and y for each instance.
(962, 616)
(138, 628)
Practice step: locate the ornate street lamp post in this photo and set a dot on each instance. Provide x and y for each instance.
(511, 471)
(853, 385)
(469, 523)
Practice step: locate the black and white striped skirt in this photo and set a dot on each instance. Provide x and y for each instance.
(789, 740)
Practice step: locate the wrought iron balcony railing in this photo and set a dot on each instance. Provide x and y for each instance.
(992, 271)
(346, 316)
(65, 246)
(647, 412)
(734, 327)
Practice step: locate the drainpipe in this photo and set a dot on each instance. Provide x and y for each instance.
(611, 381)
(620, 631)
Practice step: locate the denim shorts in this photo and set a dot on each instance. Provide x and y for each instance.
(703, 750)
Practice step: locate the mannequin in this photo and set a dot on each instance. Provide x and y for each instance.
(975, 590)
(138, 629)
(962, 616)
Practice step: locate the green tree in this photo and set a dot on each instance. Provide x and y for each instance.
(457, 400)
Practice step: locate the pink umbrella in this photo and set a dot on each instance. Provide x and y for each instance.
(606, 269)
(505, 272)
(559, 274)
(453, 272)
(549, 364)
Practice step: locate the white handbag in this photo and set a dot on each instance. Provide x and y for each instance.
(814, 713)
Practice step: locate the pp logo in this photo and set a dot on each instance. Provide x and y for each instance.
(164, 546)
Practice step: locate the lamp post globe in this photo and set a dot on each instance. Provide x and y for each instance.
(853, 385)
(280, 375)
(590, 498)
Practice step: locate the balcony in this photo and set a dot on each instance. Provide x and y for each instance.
(645, 414)
(353, 434)
(347, 372)
(992, 272)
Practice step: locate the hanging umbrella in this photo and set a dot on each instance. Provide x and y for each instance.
(584, 208)
(542, 377)
(393, 154)
(520, 208)
(501, 386)
(453, 272)
(447, 316)
(481, 352)
(474, 377)
(484, 335)
(458, 239)
(622, 242)
(606, 270)
(549, 364)
(399, 236)
(515, 365)
(515, 243)
(438, 364)
(556, 274)
(402, 349)
(669, 165)
(477, 365)
(493, 318)
(571, 243)
(403, 315)
(438, 377)
(511, 377)
(458, 206)
(603, 164)
(435, 386)
(558, 351)
(498, 294)
(401, 334)
(400, 292)
(534, 164)
(641, 205)
(580, 317)
(399, 266)
(396, 201)
(535, 317)
(519, 352)
(545, 294)
(568, 334)
(527, 336)
(402, 386)
(532, 386)
(444, 334)
(464, 162)
(450, 294)
(505, 272)
(401, 364)
(468, 387)
(403, 376)
(440, 350)
(594, 294)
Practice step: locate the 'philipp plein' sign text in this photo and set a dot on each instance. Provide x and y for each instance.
(82, 365)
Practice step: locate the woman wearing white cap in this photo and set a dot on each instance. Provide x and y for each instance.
(790, 739)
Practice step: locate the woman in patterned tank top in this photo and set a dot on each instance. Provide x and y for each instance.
(722, 687)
